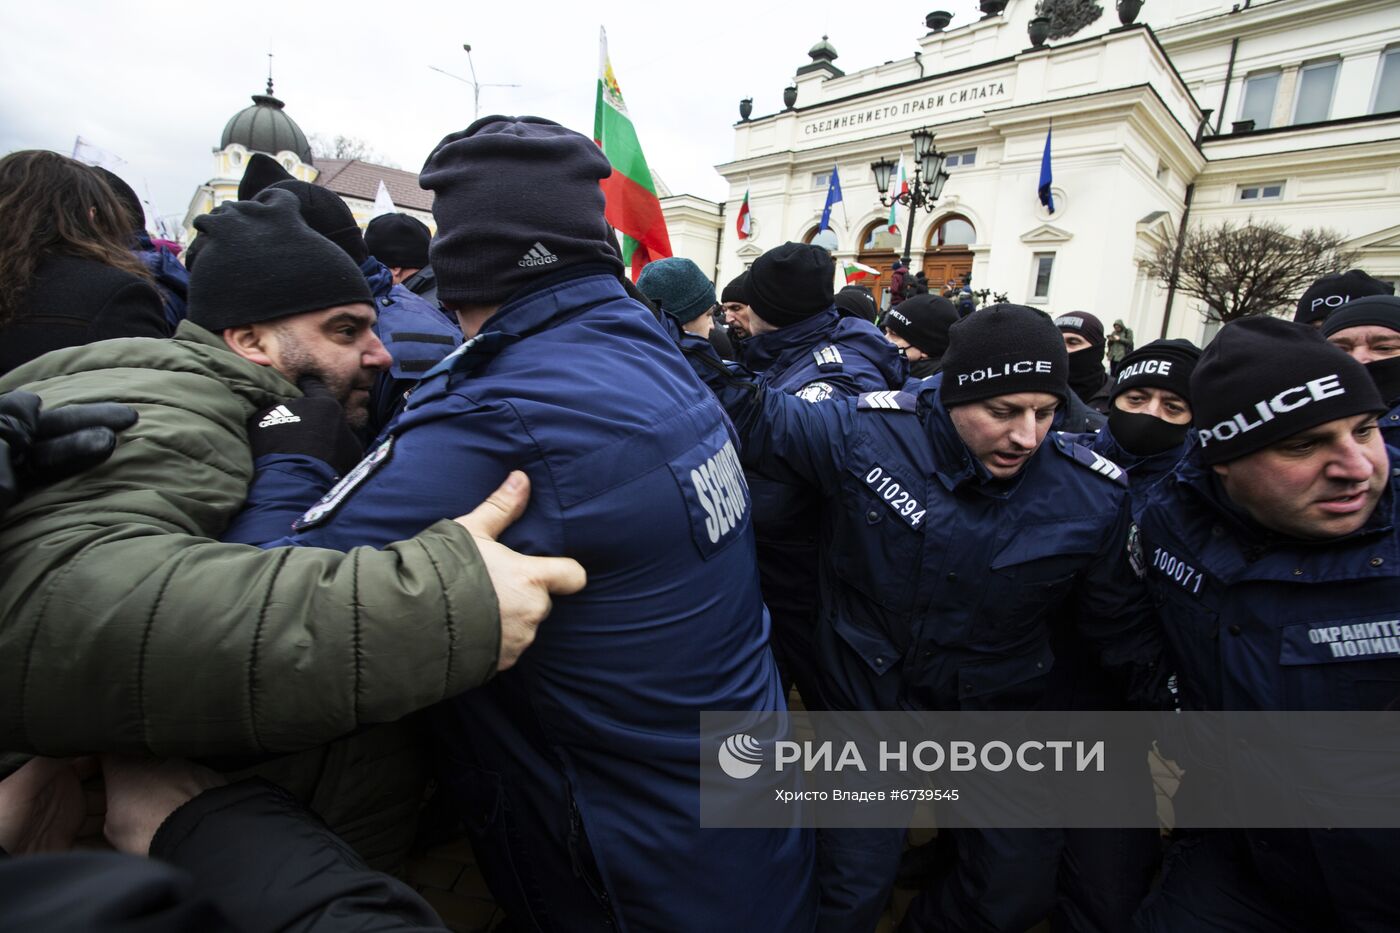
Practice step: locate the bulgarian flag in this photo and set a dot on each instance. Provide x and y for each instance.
(632, 206)
(899, 184)
(744, 223)
(855, 271)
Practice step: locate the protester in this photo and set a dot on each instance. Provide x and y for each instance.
(171, 278)
(400, 241)
(414, 332)
(899, 273)
(1287, 524)
(919, 328)
(124, 628)
(1368, 329)
(734, 299)
(918, 613)
(67, 273)
(1331, 292)
(576, 771)
(1119, 344)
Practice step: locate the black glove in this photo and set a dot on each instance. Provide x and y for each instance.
(42, 446)
(311, 426)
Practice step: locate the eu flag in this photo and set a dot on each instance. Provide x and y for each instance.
(833, 194)
(1046, 178)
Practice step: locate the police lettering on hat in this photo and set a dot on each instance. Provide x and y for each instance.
(1331, 292)
(1002, 350)
(1161, 364)
(1246, 400)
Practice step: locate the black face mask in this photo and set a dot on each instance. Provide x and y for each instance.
(1144, 435)
(1086, 373)
(1386, 375)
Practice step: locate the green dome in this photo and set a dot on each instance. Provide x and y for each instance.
(264, 127)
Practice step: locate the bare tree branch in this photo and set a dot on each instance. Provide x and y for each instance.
(346, 147)
(1258, 267)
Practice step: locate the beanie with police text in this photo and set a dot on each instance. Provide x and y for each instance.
(1001, 350)
(1331, 292)
(1263, 379)
(1161, 364)
(923, 320)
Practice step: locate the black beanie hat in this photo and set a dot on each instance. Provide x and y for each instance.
(1378, 310)
(494, 241)
(1001, 350)
(261, 261)
(678, 287)
(328, 215)
(399, 240)
(737, 290)
(1263, 379)
(1331, 292)
(1161, 364)
(923, 320)
(855, 301)
(1084, 324)
(261, 172)
(125, 195)
(790, 283)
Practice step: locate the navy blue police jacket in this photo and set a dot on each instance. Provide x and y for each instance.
(823, 357)
(578, 768)
(940, 580)
(1256, 621)
(1390, 424)
(416, 334)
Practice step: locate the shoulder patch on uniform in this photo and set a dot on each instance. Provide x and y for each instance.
(1091, 460)
(341, 491)
(828, 358)
(888, 401)
(815, 392)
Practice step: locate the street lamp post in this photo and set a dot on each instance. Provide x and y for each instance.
(924, 190)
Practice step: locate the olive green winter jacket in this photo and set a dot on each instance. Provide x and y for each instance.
(125, 627)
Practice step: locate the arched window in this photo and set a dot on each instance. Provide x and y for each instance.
(877, 237)
(953, 231)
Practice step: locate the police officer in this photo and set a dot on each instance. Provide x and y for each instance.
(1084, 339)
(953, 537)
(1279, 524)
(1369, 330)
(414, 332)
(919, 328)
(1106, 873)
(801, 345)
(1331, 292)
(400, 241)
(576, 771)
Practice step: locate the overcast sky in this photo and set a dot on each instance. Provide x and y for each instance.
(154, 83)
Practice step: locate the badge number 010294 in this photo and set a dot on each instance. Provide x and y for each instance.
(895, 496)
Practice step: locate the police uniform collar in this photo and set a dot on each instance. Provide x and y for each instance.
(380, 279)
(763, 351)
(539, 308)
